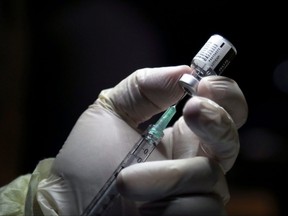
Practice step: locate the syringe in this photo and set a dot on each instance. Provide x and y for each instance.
(139, 153)
(212, 59)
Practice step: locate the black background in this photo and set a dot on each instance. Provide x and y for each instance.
(58, 55)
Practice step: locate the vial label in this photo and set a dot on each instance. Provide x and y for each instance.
(216, 54)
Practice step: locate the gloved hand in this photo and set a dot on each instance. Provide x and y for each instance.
(185, 174)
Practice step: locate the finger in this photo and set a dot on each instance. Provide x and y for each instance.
(225, 92)
(158, 179)
(215, 129)
(145, 93)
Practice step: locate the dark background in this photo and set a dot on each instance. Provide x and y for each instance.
(56, 56)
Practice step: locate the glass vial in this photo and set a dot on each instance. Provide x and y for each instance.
(212, 59)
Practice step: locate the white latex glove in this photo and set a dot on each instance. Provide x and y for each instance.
(184, 174)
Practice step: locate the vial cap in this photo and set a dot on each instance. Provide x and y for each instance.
(189, 83)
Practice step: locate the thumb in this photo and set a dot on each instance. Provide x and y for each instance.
(144, 93)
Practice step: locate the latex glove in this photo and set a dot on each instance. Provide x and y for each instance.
(182, 175)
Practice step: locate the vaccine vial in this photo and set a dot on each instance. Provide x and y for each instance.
(212, 59)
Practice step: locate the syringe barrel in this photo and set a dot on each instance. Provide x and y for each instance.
(105, 198)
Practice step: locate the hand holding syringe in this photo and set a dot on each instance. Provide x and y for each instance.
(139, 153)
(212, 59)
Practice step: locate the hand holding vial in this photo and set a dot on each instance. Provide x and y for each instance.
(185, 172)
